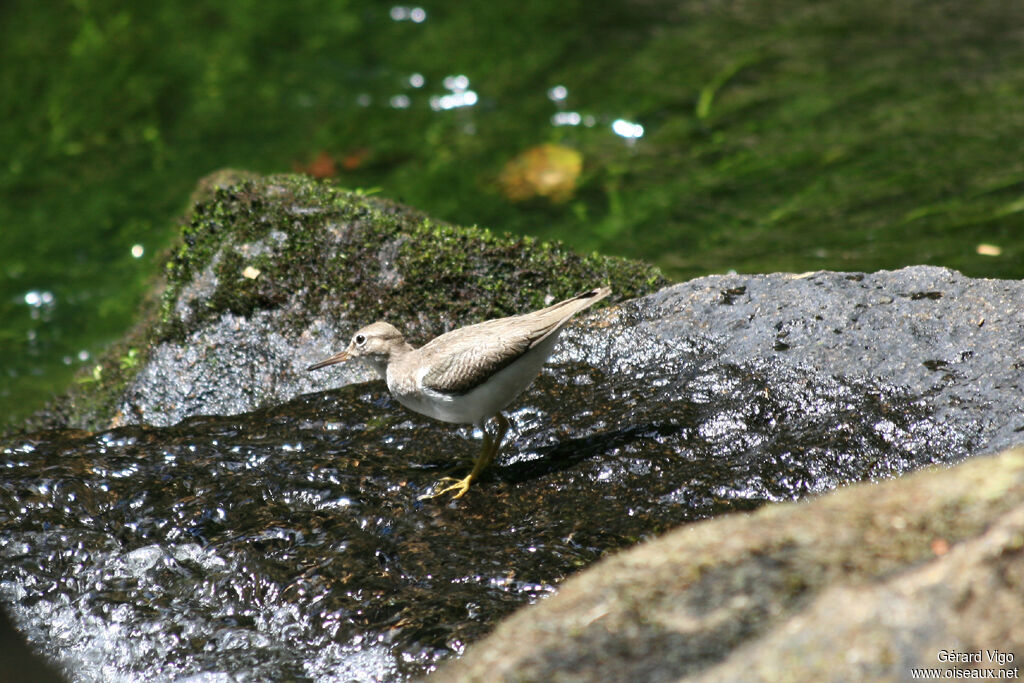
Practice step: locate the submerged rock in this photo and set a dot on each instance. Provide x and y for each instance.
(237, 522)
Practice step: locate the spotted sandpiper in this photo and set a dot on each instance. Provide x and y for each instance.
(468, 375)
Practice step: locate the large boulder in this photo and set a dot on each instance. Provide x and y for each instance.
(868, 583)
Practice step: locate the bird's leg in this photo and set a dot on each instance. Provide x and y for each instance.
(503, 426)
(482, 462)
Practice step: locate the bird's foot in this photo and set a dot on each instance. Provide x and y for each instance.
(460, 486)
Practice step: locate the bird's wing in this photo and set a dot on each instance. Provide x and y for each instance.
(475, 353)
(462, 359)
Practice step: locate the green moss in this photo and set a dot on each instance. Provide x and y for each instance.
(331, 241)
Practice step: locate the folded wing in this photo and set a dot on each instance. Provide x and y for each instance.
(468, 356)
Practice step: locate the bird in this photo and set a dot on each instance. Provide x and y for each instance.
(468, 375)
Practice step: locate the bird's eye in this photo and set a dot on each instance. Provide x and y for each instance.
(360, 340)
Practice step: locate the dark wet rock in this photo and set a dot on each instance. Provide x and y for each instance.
(272, 274)
(17, 661)
(863, 584)
(290, 541)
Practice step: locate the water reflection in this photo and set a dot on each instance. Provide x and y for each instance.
(417, 15)
(627, 129)
(558, 93)
(459, 96)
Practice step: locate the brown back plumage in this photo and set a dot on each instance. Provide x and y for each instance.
(466, 357)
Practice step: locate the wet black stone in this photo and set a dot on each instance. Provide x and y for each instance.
(289, 542)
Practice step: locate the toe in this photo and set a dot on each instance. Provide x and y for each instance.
(459, 486)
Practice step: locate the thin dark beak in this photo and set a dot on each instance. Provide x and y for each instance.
(337, 358)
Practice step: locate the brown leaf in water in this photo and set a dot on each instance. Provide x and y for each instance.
(322, 167)
(547, 170)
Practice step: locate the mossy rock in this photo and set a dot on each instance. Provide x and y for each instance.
(294, 264)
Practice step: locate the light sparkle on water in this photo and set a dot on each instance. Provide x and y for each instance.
(627, 129)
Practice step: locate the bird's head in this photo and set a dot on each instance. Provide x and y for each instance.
(374, 343)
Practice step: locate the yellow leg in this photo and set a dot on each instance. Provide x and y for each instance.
(490, 449)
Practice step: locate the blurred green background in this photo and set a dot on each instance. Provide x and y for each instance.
(700, 135)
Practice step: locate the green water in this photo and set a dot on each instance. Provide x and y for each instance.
(777, 135)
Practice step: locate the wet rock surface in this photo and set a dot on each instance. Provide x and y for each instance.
(18, 662)
(950, 339)
(289, 542)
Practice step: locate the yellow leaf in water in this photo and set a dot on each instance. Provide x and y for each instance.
(547, 170)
